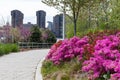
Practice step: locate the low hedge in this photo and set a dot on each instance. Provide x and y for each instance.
(7, 48)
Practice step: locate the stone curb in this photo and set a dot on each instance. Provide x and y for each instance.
(38, 75)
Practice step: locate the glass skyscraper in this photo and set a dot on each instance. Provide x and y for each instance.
(41, 18)
(58, 25)
(17, 18)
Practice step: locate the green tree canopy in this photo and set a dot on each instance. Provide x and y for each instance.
(72, 8)
(35, 34)
(48, 36)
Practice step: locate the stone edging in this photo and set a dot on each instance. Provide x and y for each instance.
(38, 75)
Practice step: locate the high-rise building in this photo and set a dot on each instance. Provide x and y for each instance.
(50, 25)
(41, 18)
(17, 18)
(58, 25)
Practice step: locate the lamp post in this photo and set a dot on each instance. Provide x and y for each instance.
(64, 21)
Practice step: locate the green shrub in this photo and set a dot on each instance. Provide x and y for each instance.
(2, 51)
(15, 48)
(7, 48)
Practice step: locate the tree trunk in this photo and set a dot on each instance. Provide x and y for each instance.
(75, 25)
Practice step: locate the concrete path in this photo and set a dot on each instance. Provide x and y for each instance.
(22, 65)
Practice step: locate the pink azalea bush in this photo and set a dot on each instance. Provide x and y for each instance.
(100, 55)
(68, 50)
(105, 62)
(53, 49)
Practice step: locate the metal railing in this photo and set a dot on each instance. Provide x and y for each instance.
(34, 45)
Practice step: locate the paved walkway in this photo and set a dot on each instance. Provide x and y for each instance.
(22, 65)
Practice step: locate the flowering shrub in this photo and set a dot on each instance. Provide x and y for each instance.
(68, 50)
(99, 54)
(105, 62)
(53, 49)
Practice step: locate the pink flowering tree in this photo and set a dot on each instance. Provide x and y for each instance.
(15, 34)
(7, 33)
(25, 34)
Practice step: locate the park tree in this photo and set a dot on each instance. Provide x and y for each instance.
(25, 34)
(71, 7)
(7, 33)
(105, 6)
(48, 36)
(88, 14)
(15, 34)
(35, 34)
(115, 16)
(97, 13)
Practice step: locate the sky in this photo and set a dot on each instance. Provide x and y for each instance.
(27, 7)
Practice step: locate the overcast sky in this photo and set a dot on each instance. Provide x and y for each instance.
(27, 7)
